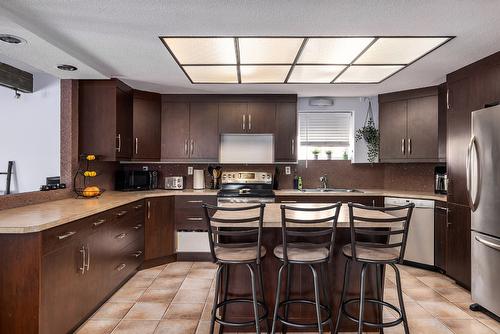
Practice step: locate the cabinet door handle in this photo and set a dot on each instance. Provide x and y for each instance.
(87, 266)
(149, 209)
(403, 146)
(137, 254)
(138, 206)
(249, 122)
(119, 147)
(409, 145)
(186, 147)
(82, 268)
(99, 222)
(121, 267)
(137, 227)
(121, 213)
(293, 147)
(66, 235)
(448, 107)
(136, 145)
(195, 201)
(121, 236)
(288, 201)
(244, 121)
(192, 146)
(195, 219)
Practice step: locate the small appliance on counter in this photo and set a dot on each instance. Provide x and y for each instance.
(174, 182)
(130, 180)
(198, 179)
(441, 180)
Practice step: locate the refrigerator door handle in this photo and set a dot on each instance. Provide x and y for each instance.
(487, 243)
(468, 172)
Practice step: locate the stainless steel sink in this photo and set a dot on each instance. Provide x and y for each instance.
(331, 190)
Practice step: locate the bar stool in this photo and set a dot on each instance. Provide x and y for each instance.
(377, 253)
(309, 248)
(245, 227)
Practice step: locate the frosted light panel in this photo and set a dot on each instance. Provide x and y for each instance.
(264, 74)
(269, 50)
(315, 73)
(332, 50)
(203, 50)
(212, 74)
(399, 50)
(366, 74)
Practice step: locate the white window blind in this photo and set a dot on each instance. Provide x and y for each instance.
(325, 129)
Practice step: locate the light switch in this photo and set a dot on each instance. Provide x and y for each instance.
(190, 170)
(287, 170)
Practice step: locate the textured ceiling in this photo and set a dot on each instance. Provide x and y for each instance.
(119, 38)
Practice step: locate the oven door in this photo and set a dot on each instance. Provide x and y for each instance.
(224, 200)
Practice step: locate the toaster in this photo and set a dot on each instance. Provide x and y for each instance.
(174, 182)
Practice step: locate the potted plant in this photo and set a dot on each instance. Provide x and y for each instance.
(329, 154)
(370, 134)
(345, 156)
(316, 153)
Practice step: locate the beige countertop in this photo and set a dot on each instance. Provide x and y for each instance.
(39, 217)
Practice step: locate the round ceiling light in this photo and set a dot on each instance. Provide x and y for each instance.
(11, 39)
(66, 67)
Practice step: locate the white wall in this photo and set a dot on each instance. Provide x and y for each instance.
(30, 134)
(358, 106)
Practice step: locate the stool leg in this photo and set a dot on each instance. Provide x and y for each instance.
(326, 290)
(225, 282)
(254, 298)
(261, 282)
(317, 298)
(400, 298)
(216, 298)
(277, 302)
(380, 295)
(347, 271)
(287, 295)
(362, 298)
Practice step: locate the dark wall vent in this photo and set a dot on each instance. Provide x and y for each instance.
(15, 78)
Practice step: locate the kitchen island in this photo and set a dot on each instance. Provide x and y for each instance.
(302, 285)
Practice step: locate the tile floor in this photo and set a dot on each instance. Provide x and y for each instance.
(176, 299)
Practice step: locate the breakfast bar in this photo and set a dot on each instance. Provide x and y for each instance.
(301, 279)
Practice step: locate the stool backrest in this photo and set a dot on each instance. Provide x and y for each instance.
(396, 225)
(244, 223)
(296, 223)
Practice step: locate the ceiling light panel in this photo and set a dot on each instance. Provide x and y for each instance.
(207, 51)
(399, 50)
(269, 50)
(315, 73)
(367, 74)
(212, 74)
(333, 50)
(264, 73)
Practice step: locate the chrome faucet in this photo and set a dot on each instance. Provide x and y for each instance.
(323, 182)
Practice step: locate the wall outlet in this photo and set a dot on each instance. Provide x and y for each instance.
(287, 170)
(190, 170)
(145, 168)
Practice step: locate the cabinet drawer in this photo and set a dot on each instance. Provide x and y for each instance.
(189, 213)
(127, 261)
(193, 202)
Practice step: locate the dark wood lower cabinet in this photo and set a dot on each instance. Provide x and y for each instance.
(440, 235)
(160, 227)
(458, 253)
(365, 200)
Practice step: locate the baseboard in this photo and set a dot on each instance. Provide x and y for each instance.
(158, 261)
(421, 266)
(194, 256)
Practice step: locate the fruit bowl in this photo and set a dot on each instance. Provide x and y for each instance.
(93, 192)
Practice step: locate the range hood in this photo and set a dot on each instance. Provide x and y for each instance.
(246, 149)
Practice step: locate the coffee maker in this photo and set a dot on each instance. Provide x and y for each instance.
(440, 180)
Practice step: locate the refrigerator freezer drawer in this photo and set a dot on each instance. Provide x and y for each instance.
(485, 273)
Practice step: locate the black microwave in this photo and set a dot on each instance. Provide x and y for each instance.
(136, 180)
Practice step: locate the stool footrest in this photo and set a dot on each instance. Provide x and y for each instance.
(373, 301)
(245, 323)
(304, 325)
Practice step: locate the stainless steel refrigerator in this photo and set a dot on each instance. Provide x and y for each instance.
(483, 189)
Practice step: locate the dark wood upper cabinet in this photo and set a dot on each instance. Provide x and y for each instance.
(105, 119)
(204, 131)
(247, 117)
(409, 126)
(261, 117)
(285, 134)
(146, 126)
(175, 131)
(160, 227)
(233, 117)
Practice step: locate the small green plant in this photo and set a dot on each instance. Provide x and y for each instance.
(345, 156)
(329, 154)
(316, 153)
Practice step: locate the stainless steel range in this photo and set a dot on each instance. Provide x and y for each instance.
(246, 187)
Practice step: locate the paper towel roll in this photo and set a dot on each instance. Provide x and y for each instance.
(198, 179)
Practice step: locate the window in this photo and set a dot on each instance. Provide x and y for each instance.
(325, 135)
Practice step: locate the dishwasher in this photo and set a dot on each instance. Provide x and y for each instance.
(420, 242)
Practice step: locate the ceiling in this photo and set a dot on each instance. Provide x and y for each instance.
(119, 38)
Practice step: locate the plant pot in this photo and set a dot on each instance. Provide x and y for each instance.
(316, 156)
(329, 156)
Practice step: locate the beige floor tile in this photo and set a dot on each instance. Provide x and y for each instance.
(151, 272)
(455, 294)
(476, 315)
(181, 264)
(424, 294)
(415, 311)
(191, 296)
(146, 311)
(389, 284)
(196, 283)
(167, 282)
(184, 311)
(493, 324)
(467, 327)
(204, 327)
(182, 270)
(98, 326)
(139, 282)
(202, 273)
(418, 272)
(428, 326)
(112, 310)
(204, 265)
(207, 311)
(136, 327)
(126, 294)
(437, 281)
(177, 326)
(444, 310)
(164, 296)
